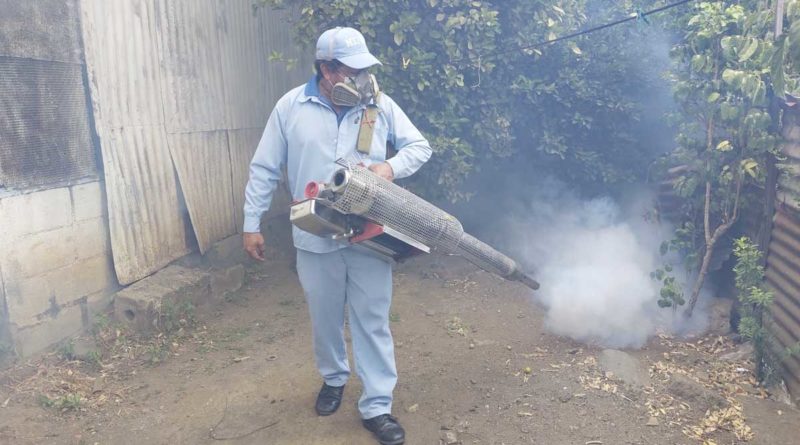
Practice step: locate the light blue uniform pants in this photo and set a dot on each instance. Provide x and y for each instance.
(362, 283)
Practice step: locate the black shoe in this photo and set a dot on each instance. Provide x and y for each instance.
(386, 429)
(329, 399)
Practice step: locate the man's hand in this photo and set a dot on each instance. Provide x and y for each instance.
(254, 245)
(384, 170)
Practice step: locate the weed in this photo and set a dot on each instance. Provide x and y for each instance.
(100, 323)
(67, 350)
(457, 326)
(175, 315)
(66, 402)
(755, 301)
(95, 358)
(156, 353)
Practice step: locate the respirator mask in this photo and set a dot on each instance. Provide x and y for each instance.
(358, 90)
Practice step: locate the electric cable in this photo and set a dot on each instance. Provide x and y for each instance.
(639, 15)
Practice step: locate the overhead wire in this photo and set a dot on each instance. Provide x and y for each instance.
(638, 15)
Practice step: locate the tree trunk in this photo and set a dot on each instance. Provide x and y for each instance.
(701, 276)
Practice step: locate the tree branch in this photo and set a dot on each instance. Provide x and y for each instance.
(707, 213)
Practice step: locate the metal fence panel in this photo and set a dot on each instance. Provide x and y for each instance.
(44, 120)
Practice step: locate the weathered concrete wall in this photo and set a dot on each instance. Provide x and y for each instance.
(54, 249)
(56, 263)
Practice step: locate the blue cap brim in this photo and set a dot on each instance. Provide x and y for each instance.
(360, 61)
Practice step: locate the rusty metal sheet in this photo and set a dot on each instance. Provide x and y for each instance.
(784, 310)
(789, 182)
(147, 227)
(790, 366)
(784, 304)
(122, 59)
(244, 65)
(243, 143)
(783, 276)
(204, 171)
(789, 324)
(248, 119)
(146, 222)
(179, 74)
(787, 194)
(191, 61)
(277, 35)
(783, 258)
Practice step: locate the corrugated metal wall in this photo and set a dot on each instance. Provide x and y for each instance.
(44, 120)
(181, 91)
(783, 256)
(147, 230)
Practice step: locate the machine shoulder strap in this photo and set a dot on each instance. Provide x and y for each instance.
(367, 128)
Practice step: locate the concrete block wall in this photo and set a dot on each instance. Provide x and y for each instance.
(55, 263)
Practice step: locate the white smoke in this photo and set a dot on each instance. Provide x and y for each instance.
(594, 261)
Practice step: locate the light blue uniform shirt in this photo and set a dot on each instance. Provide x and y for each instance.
(305, 134)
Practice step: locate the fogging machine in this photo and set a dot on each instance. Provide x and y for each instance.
(359, 207)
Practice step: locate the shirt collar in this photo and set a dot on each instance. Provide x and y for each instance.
(312, 87)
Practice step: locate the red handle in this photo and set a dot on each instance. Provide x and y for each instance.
(312, 190)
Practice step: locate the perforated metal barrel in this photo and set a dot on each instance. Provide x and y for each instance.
(359, 191)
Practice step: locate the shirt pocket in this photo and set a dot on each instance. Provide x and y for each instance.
(380, 136)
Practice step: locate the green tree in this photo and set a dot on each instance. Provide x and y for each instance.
(721, 81)
(785, 63)
(467, 74)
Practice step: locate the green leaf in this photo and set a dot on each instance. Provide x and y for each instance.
(758, 95)
(750, 166)
(698, 62)
(728, 111)
(776, 67)
(726, 43)
(732, 77)
(398, 38)
(749, 50)
(713, 97)
(725, 146)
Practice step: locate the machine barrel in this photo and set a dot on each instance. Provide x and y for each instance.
(358, 191)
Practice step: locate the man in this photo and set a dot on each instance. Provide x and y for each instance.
(307, 132)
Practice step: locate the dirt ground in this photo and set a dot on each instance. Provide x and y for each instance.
(475, 363)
